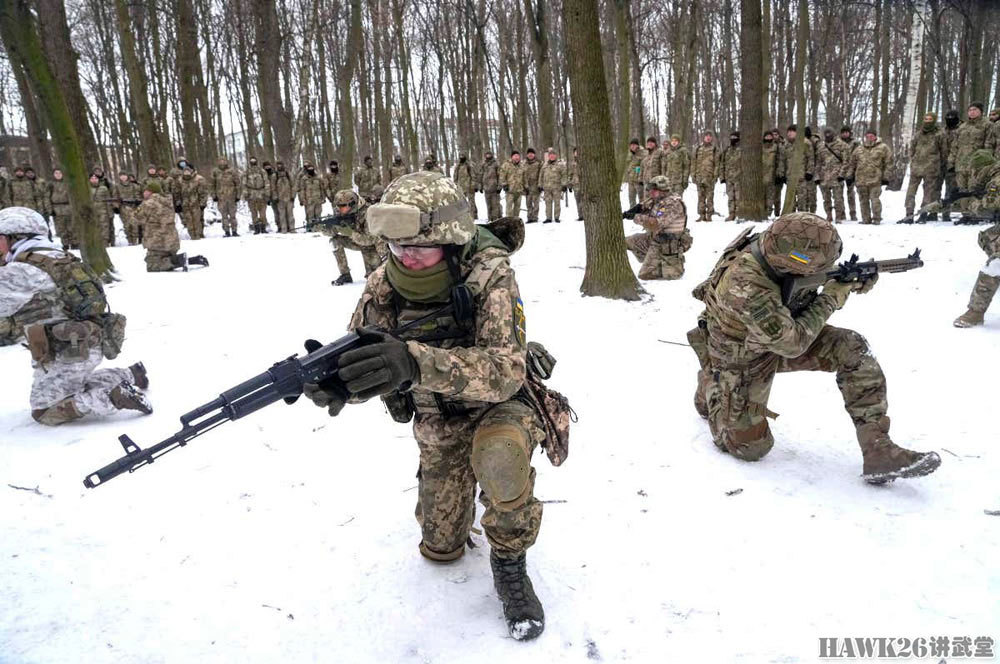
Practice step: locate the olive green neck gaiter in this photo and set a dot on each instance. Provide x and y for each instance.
(430, 285)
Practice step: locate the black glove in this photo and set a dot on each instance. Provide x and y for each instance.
(381, 366)
(202, 208)
(722, 181)
(951, 169)
(330, 393)
(809, 177)
(215, 198)
(565, 189)
(539, 190)
(177, 209)
(840, 179)
(850, 182)
(117, 210)
(885, 183)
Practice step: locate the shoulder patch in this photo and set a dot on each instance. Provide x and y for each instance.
(520, 332)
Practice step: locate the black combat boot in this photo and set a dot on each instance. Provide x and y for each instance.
(126, 396)
(521, 608)
(180, 260)
(139, 376)
(342, 279)
(227, 233)
(198, 260)
(235, 234)
(547, 221)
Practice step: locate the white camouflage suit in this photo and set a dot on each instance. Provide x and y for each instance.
(63, 389)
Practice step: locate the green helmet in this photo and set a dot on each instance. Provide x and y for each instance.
(979, 160)
(346, 197)
(424, 208)
(660, 183)
(154, 187)
(800, 243)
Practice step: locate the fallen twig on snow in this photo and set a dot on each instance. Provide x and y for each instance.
(734, 492)
(992, 512)
(34, 491)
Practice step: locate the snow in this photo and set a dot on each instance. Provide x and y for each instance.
(289, 536)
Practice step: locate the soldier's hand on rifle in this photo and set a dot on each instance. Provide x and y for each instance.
(862, 287)
(839, 290)
(330, 393)
(381, 366)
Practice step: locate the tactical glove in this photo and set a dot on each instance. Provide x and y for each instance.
(330, 394)
(777, 181)
(850, 182)
(862, 287)
(565, 189)
(840, 179)
(117, 210)
(885, 183)
(722, 180)
(381, 366)
(177, 209)
(503, 189)
(838, 290)
(215, 198)
(808, 177)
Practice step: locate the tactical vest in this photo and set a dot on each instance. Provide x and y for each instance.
(80, 288)
(255, 179)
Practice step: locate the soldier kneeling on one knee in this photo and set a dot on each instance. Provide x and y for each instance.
(661, 248)
(57, 302)
(160, 237)
(460, 373)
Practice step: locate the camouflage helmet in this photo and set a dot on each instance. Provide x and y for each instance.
(377, 192)
(153, 187)
(22, 221)
(979, 160)
(346, 197)
(660, 183)
(800, 243)
(424, 208)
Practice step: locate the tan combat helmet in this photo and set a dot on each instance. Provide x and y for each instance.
(346, 197)
(800, 243)
(424, 208)
(660, 183)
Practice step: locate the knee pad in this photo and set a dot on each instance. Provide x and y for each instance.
(751, 444)
(500, 461)
(58, 413)
(441, 558)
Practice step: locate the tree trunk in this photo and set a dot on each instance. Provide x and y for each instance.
(797, 163)
(277, 118)
(22, 40)
(752, 83)
(37, 146)
(916, 71)
(607, 273)
(352, 48)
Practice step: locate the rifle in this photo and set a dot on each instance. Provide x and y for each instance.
(284, 380)
(937, 206)
(329, 221)
(969, 220)
(632, 211)
(797, 293)
(131, 202)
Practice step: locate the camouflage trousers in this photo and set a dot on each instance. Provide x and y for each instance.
(579, 203)
(194, 221)
(950, 184)
(802, 196)
(810, 195)
(833, 201)
(227, 210)
(774, 199)
(553, 202)
(634, 193)
(372, 255)
(871, 204)
(133, 229)
(531, 201)
(512, 207)
(706, 201)
(160, 261)
(62, 217)
(932, 191)
(258, 213)
(988, 281)
(64, 390)
(734, 397)
(313, 211)
(106, 222)
(473, 208)
(658, 259)
(495, 452)
(733, 195)
(493, 211)
(284, 218)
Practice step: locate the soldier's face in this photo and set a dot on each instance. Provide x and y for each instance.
(994, 116)
(93, 179)
(123, 178)
(160, 172)
(151, 172)
(675, 142)
(928, 119)
(791, 134)
(146, 194)
(707, 139)
(516, 159)
(650, 145)
(57, 175)
(4, 245)
(974, 112)
(846, 135)
(531, 156)
(415, 257)
(19, 173)
(655, 194)
(344, 209)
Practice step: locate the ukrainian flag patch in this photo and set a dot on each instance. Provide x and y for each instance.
(519, 322)
(800, 257)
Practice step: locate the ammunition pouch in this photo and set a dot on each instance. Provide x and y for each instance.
(73, 339)
(112, 334)
(38, 343)
(400, 406)
(551, 407)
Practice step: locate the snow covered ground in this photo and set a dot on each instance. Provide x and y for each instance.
(289, 536)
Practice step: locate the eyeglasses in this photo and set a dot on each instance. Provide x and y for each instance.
(413, 250)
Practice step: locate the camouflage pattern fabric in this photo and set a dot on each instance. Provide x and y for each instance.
(373, 250)
(397, 170)
(730, 170)
(969, 137)
(465, 177)
(283, 194)
(769, 162)
(512, 177)
(829, 167)
(705, 164)
(23, 192)
(633, 175)
(257, 190)
(869, 166)
(553, 177)
(226, 186)
(156, 214)
(128, 195)
(429, 192)
(193, 192)
(490, 174)
(928, 161)
(661, 248)
(101, 196)
(366, 177)
(62, 212)
(651, 165)
(847, 149)
(67, 389)
(677, 167)
(532, 168)
(312, 193)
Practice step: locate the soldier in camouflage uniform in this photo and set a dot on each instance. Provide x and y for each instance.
(193, 193)
(651, 162)
(869, 169)
(366, 177)
(746, 335)
(312, 191)
(993, 134)
(22, 191)
(127, 196)
(149, 177)
(808, 165)
(397, 169)
(633, 171)
(100, 195)
(431, 164)
(532, 187)
(257, 190)
(677, 166)
(928, 161)
(772, 182)
(61, 210)
(986, 171)
(352, 233)
(458, 377)
(465, 178)
(331, 180)
(574, 184)
(554, 183)
(283, 192)
(490, 186)
(812, 145)
(829, 169)
(704, 173)
(969, 137)
(226, 192)
(59, 304)
(730, 172)
(661, 247)
(512, 183)
(160, 239)
(847, 146)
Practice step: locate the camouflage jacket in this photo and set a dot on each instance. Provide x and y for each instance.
(870, 164)
(705, 164)
(159, 233)
(664, 216)
(769, 161)
(226, 184)
(993, 139)
(331, 182)
(785, 159)
(282, 187)
(311, 189)
(485, 365)
(928, 153)
(989, 181)
(193, 192)
(677, 165)
(28, 294)
(829, 163)
(748, 325)
(366, 177)
(59, 197)
(651, 165)
(969, 137)
(531, 170)
(490, 182)
(847, 150)
(465, 177)
(633, 166)
(101, 197)
(22, 192)
(552, 176)
(574, 174)
(126, 193)
(256, 184)
(512, 176)
(397, 171)
(729, 164)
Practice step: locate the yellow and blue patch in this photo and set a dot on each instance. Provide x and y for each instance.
(519, 323)
(800, 257)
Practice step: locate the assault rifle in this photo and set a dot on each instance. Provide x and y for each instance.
(131, 202)
(797, 293)
(937, 206)
(283, 381)
(328, 221)
(632, 211)
(971, 220)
